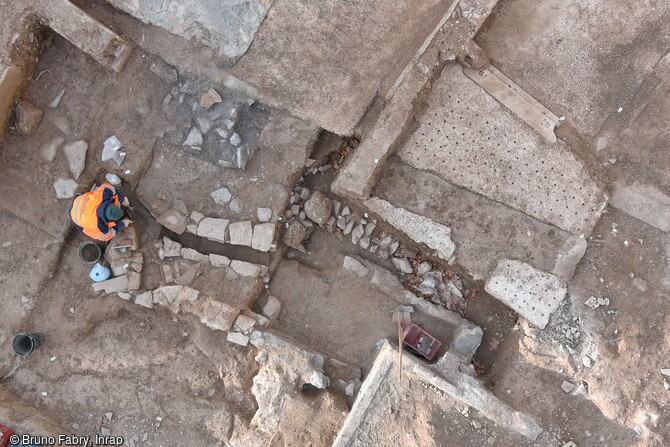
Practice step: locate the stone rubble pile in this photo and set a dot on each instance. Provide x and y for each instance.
(214, 126)
(182, 265)
(259, 236)
(179, 267)
(307, 209)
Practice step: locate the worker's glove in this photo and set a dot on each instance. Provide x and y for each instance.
(127, 222)
(125, 202)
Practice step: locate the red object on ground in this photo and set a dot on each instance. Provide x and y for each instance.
(420, 341)
(5, 433)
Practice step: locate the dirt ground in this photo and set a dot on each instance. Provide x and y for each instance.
(158, 378)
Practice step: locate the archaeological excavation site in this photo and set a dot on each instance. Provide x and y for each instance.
(352, 223)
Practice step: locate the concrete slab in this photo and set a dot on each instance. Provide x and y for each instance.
(598, 55)
(514, 98)
(362, 168)
(471, 140)
(310, 66)
(532, 293)
(419, 228)
(482, 229)
(86, 33)
(227, 26)
(645, 202)
(367, 423)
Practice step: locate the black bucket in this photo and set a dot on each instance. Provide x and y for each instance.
(25, 343)
(90, 252)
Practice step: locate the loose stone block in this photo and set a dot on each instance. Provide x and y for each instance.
(214, 229)
(244, 323)
(241, 233)
(145, 299)
(118, 284)
(193, 255)
(218, 260)
(272, 307)
(134, 281)
(263, 236)
(221, 196)
(171, 249)
(532, 293)
(245, 268)
(264, 214)
(238, 338)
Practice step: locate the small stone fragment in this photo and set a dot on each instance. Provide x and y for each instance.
(592, 302)
(209, 98)
(235, 139)
(587, 361)
(264, 214)
(171, 248)
(272, 307)
(364, 243)
(342, 223)
(349, 227)
(369, 228)
(244, 324)
(65, 188)
(295, 235)
(567, 386)
(223, 133)
(193, 255)
(424, 268)
(318, 208)
(167, 273)
(204, 123)
(357, 233)
(337, 206)
(28, 116)
(243, 268)
(238, 338)
(194, 138)
(196, 216)
(218, 260)
(403, 265)
(221, 196)
(124, 296)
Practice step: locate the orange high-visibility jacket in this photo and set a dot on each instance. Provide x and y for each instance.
(88, 212)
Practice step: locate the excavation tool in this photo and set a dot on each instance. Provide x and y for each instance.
(402, 317)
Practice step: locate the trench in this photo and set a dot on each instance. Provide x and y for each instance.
(149, 230)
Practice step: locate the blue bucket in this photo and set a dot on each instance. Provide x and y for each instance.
(100, 273)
